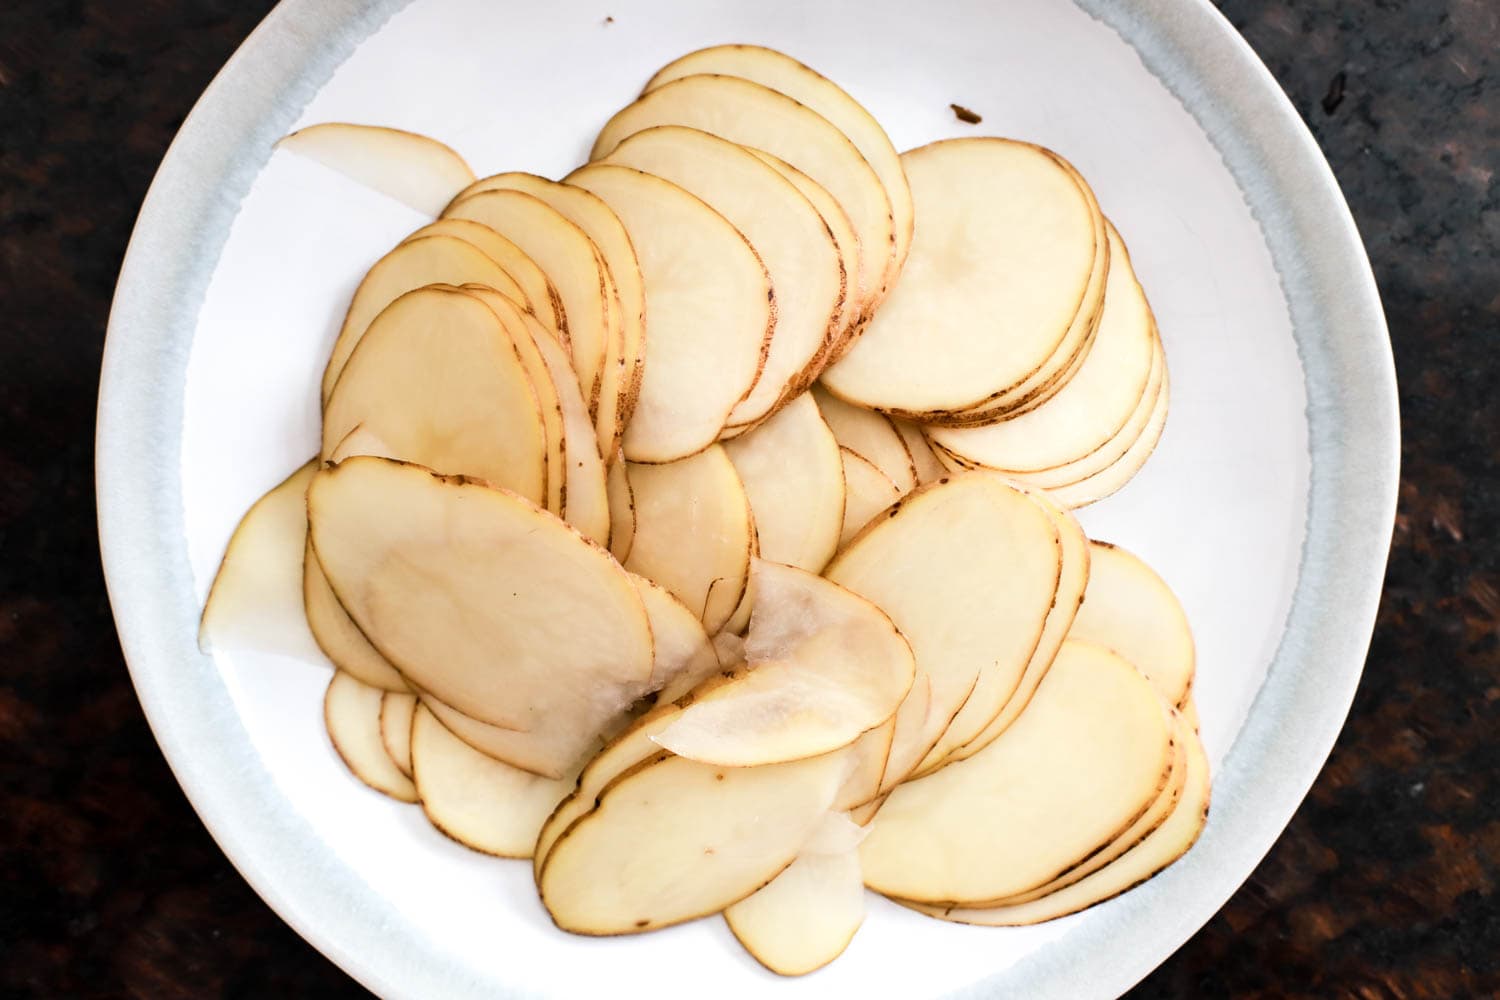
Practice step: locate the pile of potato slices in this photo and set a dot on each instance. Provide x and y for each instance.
(698, 526)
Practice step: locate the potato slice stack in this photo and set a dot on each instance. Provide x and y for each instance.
(698, 525)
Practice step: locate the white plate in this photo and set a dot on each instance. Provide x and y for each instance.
(1268, 505)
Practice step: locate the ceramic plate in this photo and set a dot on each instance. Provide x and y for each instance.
(1268, 505)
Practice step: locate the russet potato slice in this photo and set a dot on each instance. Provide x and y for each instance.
(538, 296)
(867, 492)
(694, 532)
(761, 118)
(1131, 610)
(1088, 756)
(470, 591)
(786, 231)
(416, 170)
(710, 307)
(823, 667)
(478, 801)
(1002, 265)
(675, 839)
(396, 710)
(871, 435)
(439, 380)
(351, 712)
(967, 569)
(794, 477)
(805, 85)
(805, 917)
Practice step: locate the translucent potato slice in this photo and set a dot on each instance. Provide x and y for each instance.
(396, 710)
(416, 170)
(256, 598)
(694, 532)
(480, 802)
(683, 653)
(1088, 756)
(621, 509)
(439, 379)
(759, 117)
(867, 492)
(1131, 610)
(999, 271)
(871, 435)
(967, 569)
(870, 752)
(585, 497)
(428, 260)
(351, 712)
(676, 839)
(793, 474)
(467, 589)
(539, 297)
(824, 666)
(787, 232)
(782, 73)
(335, 632)
(805, 917)
(711, 309)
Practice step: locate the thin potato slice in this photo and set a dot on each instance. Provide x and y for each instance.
(1190, 713)
(1113, 479)
(805, 917)
(824, 666)
(676, 839)
(794, 476)
(711, 308)
(351, 711)
(480, 802)
(694, 532)
(867, 492)
(782, 73)
(585, 496)
(466, 588)
(538, 298)
(870, 751)
(337, 635)
(683, 653)
(1163, 846)
(1001, 267)
(872, 436)
(416, 170)
(923, 459)
(786, 231)
(396, 710)
(256, 598)
(428, 260)
(621, 509)
(1131, 610)
(967, 569)
(1082, 763)
(571, 261)
(761, 118)
(438, 378)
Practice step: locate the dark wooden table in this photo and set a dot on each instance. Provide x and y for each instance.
(1385, 885)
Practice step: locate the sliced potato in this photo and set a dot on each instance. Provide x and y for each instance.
(1112, 479)
(1082, 763)
(967, 569)
(480, 802)
(782, 225)
(585, 497)
(351, 711)
(759, 117)
(256, 598)
(571, 261)
(872, 436)
(1190, 712)
(621, 509)
(497, 248)
(867, 492)
(782, 73)
(1007, 249)
(1131, 610)
(824, 666)
(683, 653)
(1163, 846)
(429, 260)
(676, 839)
(693, 532)
(700, 275)
(871, 752)
(396, 710)
(465, 589)
(416, 170)
(337, 635)
(438, 378)
(923, 459)
(805, 917)
(794, 477)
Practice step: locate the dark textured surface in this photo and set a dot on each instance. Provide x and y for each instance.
(1385, 885)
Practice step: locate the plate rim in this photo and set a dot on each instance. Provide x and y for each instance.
(1354, 445)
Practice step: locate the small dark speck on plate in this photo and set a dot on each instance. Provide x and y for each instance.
(1335, 95)
(608, 19)
(963, 114)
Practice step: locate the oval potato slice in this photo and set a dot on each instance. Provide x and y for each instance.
(351, 712)
(711, 308)
(538, 296)
(786, 231)
(694, 532)
(867, 492)
(585, 496)
(414, 169)
(871, 435)
(396, 710)
(1088, 756)
(782, 73)
(1111, 480)
(805, 917)
(794, 477)
(337, 635)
